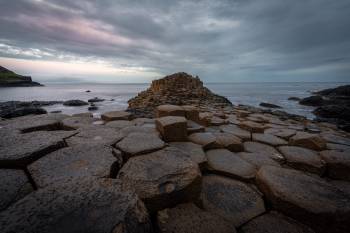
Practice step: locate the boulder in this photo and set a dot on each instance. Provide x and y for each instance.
(140, 143)
(268, 105)
(338, 164)
(237, 131)
(252, 126)
(205, 118)
(207, 140)
(222, 161)
(303, 159)
(14, 185)
(194, 151)
(188, 218)
(95, 100)
(307, 140)
(229, 141)
(116, 115)
(71, 123)
(163, 178)
(312, 101)
(232, 200)
(256, 147)
(258, 159)
(172, 128)
(75, 103)
(81, 205)
(72, 162)
(274, 222)
(269, 139)
(170, 110)
(308, 199)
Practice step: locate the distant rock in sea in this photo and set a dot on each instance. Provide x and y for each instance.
(9, 78)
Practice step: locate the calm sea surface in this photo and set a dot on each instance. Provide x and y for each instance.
(117, 95)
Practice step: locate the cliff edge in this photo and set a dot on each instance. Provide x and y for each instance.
(9, 78)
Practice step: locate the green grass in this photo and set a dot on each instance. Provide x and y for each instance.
(8, 76)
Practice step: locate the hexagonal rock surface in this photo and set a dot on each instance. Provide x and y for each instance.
(307, 140)
(256, 147)
(72, 162)
(193, 127)
(308, 199)
(194, 151)
(191, 113)
(188, 218)
(116, 115)
(140, 143)
(338, 164)
(258, 159)
(120, 124)
(237, 131)
(252, 126)
(282, 132)
(23, 149)
(303, 159)
(205, 118)
(13, 186)
(71, 123)
(224, 162)
(142, 121)
(229, 141)
(333, 138)
(95, 134)
(163, 178)
(137, 129)
(269, 139)
(207, 140)
(217, 121)
(169, 110)
(338, 147)
(274, 222)
(82, 205)
(172, 128)
(231, 199)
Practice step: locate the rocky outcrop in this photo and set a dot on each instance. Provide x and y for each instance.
(9, 78)
(176, 89)
(11, 109)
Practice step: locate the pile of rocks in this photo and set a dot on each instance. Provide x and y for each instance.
(229, 170)
(178, 89)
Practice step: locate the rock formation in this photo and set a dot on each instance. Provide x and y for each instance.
(177, 89)
(10, 79)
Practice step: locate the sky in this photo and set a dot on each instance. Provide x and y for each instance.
(137, 41)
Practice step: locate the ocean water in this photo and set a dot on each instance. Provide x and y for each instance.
(117, 95)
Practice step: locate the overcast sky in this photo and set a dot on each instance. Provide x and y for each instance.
(136, 41)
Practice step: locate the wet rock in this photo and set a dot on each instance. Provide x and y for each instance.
(284, 133)
(84, 114)
(163, 178)
(308, 199)
(78, 206)
(72, 162)
(140, 143)
(95, 100)
(172, 128)
(303, 159)
(92, 108)
(207, 140)
(252, 126)
(258, 159)
(75, 103)
(170, 110)
(294, 98)
(338, 164)
(222, 161)
(191, 113)
(256, 147)
(188, 218)
(312, 101)
(274, 222)
(14, 185)
(194, 151)
(333, 138)
(231, 199)
(71, 123)
(268, 139)
(307, 140)
(229, 141)
(22, 149)
(237, 131)
(268, 105)
(116, 115)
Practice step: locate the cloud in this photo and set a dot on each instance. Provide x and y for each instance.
(225, 40)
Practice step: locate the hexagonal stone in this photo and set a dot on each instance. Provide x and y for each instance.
(14, 185)
(274, 222)
(207, 140)
(95, 134)
(194, 151)
(256, 147)
(140, 143)
(71, 123)
(163, 178)
(338, 147)
(72, 162)
(82, 205)
(172, 128)
(307, 140)
(116, 115)
(258, 159)
(308, 199)
(229, 141)
(205, 118)
(22, 149)
(303, 159)
(191, 113)
(188, 218)
(231, 199)
(252, 126)
(334, 138)
(217, 121)
(338, 164)
(120, 124)
(222, 161)
(237, 131)
(137, 129)
(284, 133)
(268, 139)
(142, 121)
(193, 127)
(170, 110)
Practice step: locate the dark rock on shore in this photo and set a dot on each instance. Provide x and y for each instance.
(268, 105)
(12, 109)
(312, 101)
(294, 98)
(75, 103)
(95, 100)
(10, 79)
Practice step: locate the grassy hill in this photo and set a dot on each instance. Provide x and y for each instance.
(10, 78)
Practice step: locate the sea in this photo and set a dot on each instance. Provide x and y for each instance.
(117, 95)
